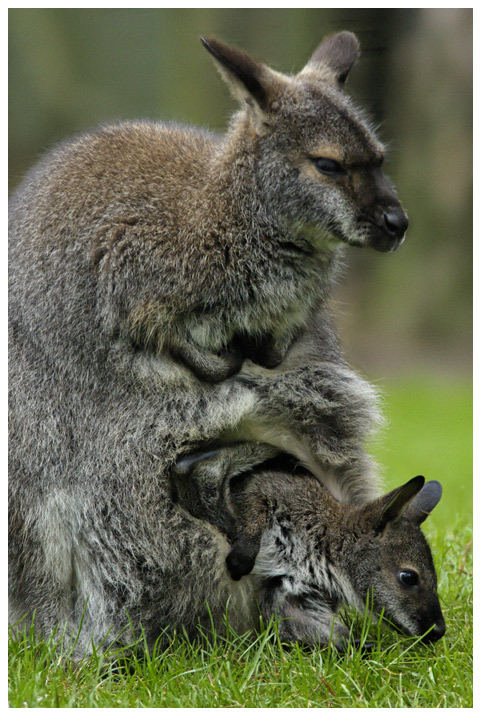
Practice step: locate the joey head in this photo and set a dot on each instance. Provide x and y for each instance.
(311, 554)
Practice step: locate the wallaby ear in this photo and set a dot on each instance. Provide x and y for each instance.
(387, 508)
(337, 53)
(424, 502)
(249, 81)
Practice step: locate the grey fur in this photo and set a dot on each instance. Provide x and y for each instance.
(314, 554)
(146, 261)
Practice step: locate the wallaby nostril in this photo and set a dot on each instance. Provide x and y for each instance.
(440, 630)
(436, 632)
(395, 222)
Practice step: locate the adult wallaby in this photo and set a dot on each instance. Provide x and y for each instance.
(306, 554)
(143, 258)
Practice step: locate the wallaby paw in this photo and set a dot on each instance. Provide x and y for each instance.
(239, 564)
(271, 360)
(207, 366)
(233, 360)
(221, 366)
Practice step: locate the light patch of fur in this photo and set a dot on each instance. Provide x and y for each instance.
(345, 591)
(56, 523)
(282, 438)
(318, 73)
(201, 332)
(243, 607)
(267, 562)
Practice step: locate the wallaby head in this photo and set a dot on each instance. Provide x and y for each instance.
(316, 554)
(318, 159)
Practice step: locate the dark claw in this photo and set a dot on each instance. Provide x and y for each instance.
(185, 464)
(239, 564)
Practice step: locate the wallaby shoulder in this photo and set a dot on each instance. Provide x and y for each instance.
(136, 164)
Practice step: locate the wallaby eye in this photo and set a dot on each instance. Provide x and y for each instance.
(329, 167)
(408, 577)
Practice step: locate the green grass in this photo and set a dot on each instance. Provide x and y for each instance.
(429, 433)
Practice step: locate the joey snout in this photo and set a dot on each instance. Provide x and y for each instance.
(431, 622)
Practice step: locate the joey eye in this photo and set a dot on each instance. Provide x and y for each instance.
(408, 577)
(329, 167)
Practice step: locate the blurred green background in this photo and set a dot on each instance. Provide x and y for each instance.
(405, 319)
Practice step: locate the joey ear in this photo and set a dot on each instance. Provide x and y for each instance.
(387, 508)
(249, 81)
(424, 502)
(185, 464)
(337, 53)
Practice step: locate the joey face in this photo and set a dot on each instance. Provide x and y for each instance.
(392, 562)
(319, 554)
(318, 161)
(397, 569)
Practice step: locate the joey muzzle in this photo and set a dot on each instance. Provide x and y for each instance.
(437, 632)
(431, 623)
(429, 628)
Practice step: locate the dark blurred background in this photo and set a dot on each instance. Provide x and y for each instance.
(404, 313)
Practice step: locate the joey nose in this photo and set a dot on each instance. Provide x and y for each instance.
(438, 631)
(394, 222)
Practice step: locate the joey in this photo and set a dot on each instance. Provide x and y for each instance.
(313, 554)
